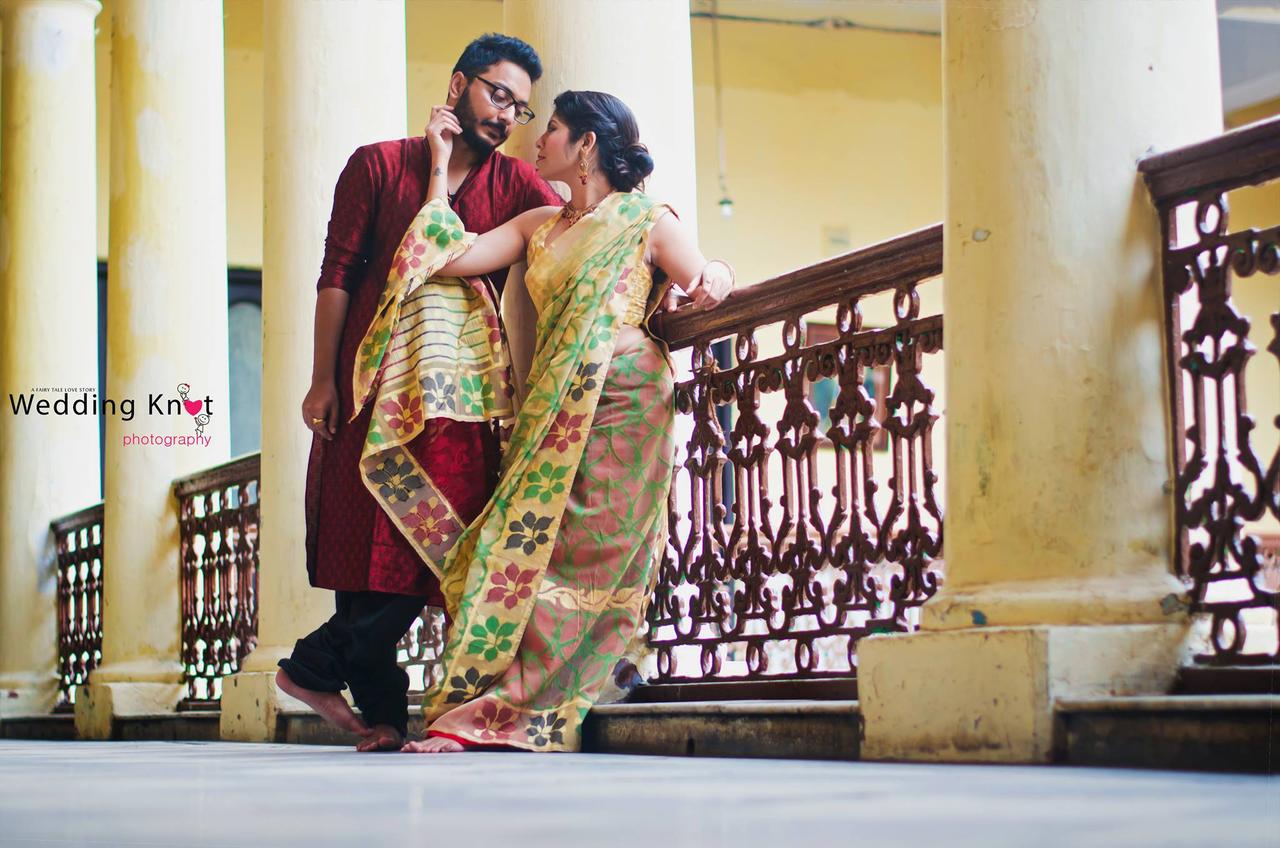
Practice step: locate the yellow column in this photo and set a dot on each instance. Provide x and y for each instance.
(48, 322)
(326, 94)
(1059, 522)
(167, 314)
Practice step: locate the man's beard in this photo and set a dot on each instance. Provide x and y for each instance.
(470, 124)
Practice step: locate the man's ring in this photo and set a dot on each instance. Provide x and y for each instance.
(315, 422)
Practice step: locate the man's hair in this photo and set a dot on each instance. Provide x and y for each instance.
(494, 47)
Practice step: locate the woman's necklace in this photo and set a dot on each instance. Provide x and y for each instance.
(573, 215)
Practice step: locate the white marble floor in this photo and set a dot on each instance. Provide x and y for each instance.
(222, 794)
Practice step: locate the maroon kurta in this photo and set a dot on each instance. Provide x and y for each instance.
(351, 544)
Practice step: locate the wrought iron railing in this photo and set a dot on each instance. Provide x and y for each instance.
(79, 545)
(420, 648)
(218, 527)
(804, 512)
(1226, 491)
(218, 523)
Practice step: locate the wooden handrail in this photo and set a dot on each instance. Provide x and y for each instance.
(235, 470)
(907, 258)
(78, 519)
(1246, 156)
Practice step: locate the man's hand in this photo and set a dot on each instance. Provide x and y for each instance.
(320, 409)
(441, 129)
(712, 286)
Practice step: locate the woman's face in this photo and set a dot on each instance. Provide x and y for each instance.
(557, 155)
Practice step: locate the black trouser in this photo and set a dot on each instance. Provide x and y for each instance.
(357, 647)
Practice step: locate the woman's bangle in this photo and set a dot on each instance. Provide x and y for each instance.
(733, 277)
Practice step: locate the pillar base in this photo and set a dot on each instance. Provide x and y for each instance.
(1144, 596)
(251, 701)
(988, 695)
(251, 706)
(99, 704)
(27, 695)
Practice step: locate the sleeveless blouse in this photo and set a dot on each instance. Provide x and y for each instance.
(639, 287)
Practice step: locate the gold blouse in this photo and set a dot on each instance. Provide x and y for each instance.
(639, 286)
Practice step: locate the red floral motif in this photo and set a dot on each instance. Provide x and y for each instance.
(430, 522)
(494, 720)
(410, 260)
(404, 413)
(565, 430)
(511, 586)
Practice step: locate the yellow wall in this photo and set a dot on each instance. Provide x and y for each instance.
(244, 87)
(823, 128)
(102, 82)
(819, 134)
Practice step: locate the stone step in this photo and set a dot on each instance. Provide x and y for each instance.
(1237, 733)
(55, 726)
(823, 730)
(1228, 680)
(184, 726)
(188, 726)
(303, 727)
(794, 729)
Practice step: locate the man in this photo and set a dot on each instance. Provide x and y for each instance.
(353, 548)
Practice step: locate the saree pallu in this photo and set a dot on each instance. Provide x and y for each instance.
(549, 585)
(433, 355)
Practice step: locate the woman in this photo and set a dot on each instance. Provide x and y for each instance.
(547, 587)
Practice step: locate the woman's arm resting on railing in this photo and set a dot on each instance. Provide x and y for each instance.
(673, 249)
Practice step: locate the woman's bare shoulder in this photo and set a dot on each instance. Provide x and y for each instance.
(531, 219)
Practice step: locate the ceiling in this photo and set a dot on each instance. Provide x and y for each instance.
(1248, 32)
(1249, 38)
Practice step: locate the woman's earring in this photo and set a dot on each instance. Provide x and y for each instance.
(582, 170)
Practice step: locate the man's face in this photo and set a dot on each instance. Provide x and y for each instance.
(484, 125)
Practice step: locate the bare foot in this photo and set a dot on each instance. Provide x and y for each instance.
(331, 706)
(433, 745)
(383, 737)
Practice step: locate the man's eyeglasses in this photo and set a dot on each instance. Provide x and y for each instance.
(500, 97)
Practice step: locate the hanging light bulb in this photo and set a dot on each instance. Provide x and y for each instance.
(726, 203)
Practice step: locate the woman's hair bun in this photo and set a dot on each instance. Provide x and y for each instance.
(625, 161)
(634, 163)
